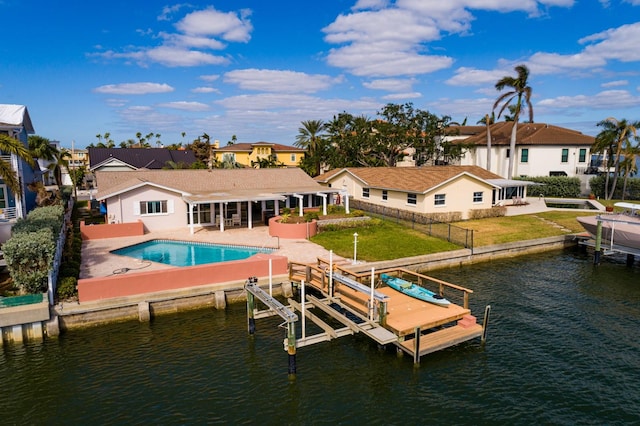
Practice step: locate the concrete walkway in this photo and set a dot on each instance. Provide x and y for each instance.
(97, 261)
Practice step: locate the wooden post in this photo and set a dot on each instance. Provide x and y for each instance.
(597, 250)
(250, 313)
(465, 303)
(416, 347)
(485, 323)
(291, 347)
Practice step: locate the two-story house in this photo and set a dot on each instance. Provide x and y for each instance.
(252, 154)
(15, 122)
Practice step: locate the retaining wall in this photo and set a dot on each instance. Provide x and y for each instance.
(299, 231)
(115, 286)
(111, 230)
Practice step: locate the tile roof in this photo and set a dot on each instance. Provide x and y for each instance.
(147, 158)
(204, 183)
(248, 146)
(530, 134)
(412, 179)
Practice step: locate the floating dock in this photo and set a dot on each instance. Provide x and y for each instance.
(361, 303)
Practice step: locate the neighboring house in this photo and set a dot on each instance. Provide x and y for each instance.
(169, 199)
(541, 149)
(128, 159)
(246, 153)
(426, 190)
(16, 123)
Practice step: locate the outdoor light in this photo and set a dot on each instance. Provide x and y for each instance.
(355, 247)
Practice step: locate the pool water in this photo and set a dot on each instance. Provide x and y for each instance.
(186, 253)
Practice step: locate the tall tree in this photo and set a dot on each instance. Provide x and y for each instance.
(488, 120)
(613, 141)
(9, 145)
(310, 137)
(520, 92)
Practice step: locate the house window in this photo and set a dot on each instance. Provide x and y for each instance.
(439, 199)
(293, 158)
(565, 155)
(477, 197)
(229, 158)
(412, 199)
(153, 207)
(365, 192)
(524, 155)
(385, 195)
(201, 214)
(508, 152)
(582, 155)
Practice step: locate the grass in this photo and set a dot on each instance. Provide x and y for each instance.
(385, 241)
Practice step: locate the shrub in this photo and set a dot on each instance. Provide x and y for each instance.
(67, 288)
(632, 189)
(553, 186)
(309, 216)
(498, 211)
(284, 217)
(29, 258)
(357, 213)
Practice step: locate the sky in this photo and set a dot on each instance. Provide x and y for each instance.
(256, 69)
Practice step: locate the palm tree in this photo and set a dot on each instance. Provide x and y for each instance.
(310, 135)
(488, 120)
(613, 141)
(521, 93)
(9, 145)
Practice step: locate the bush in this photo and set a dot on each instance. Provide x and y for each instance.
(51, 217)
(632, 190)
(29, 258)
(498, 211)
(309, 216)
(553, 186)
(67, 288)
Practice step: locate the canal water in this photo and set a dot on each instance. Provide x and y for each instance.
(562, 348)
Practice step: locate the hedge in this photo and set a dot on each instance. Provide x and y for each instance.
(632, 190)
(553, 186)
(29, 257)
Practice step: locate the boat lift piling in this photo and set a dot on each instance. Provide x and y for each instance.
(253, 291)
(598, 250)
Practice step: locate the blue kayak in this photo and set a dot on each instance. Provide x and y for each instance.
(414, 290)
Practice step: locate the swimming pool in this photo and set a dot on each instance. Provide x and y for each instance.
(188, 253)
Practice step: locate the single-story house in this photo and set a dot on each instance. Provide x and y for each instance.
(169, 199)
(425, 190)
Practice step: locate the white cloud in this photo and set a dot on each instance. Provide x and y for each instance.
(229, 26)
(616, 43)
(185, 106)
(134, 88)
(210, 77)
(205, 90)
(390, 84)
(609, 99)
(198, 33)
(278, 81)
(402, 96)
(474, 77)
(616, 83)
(180, 57)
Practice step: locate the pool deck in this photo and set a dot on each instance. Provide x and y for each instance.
(97, 261)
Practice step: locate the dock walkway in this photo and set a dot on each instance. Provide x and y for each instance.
(362, 304)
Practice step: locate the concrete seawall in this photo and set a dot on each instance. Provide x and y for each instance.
(143, 307)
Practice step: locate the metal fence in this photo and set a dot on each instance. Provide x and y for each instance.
(422, 222)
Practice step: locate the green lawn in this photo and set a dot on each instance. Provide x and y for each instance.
(381, 242)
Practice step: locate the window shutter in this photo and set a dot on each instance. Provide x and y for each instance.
(170, 206)
(136, 208)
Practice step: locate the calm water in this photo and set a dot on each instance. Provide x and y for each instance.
(183, 253)
(563, 348)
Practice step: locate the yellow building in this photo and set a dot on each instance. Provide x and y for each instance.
(79, 158)
(252, 154)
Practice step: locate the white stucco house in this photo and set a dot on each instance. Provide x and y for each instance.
(427, 190)
(541, 149)
(169, 199)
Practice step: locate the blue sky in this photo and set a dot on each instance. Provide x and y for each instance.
(256, 69)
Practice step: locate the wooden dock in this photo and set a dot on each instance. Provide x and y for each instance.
(386, 315)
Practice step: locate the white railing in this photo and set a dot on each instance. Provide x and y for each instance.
(8, 213)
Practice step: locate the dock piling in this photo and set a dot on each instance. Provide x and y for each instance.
(485, 323)
(597, 250)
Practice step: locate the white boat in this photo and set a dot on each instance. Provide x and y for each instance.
(622, 229)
